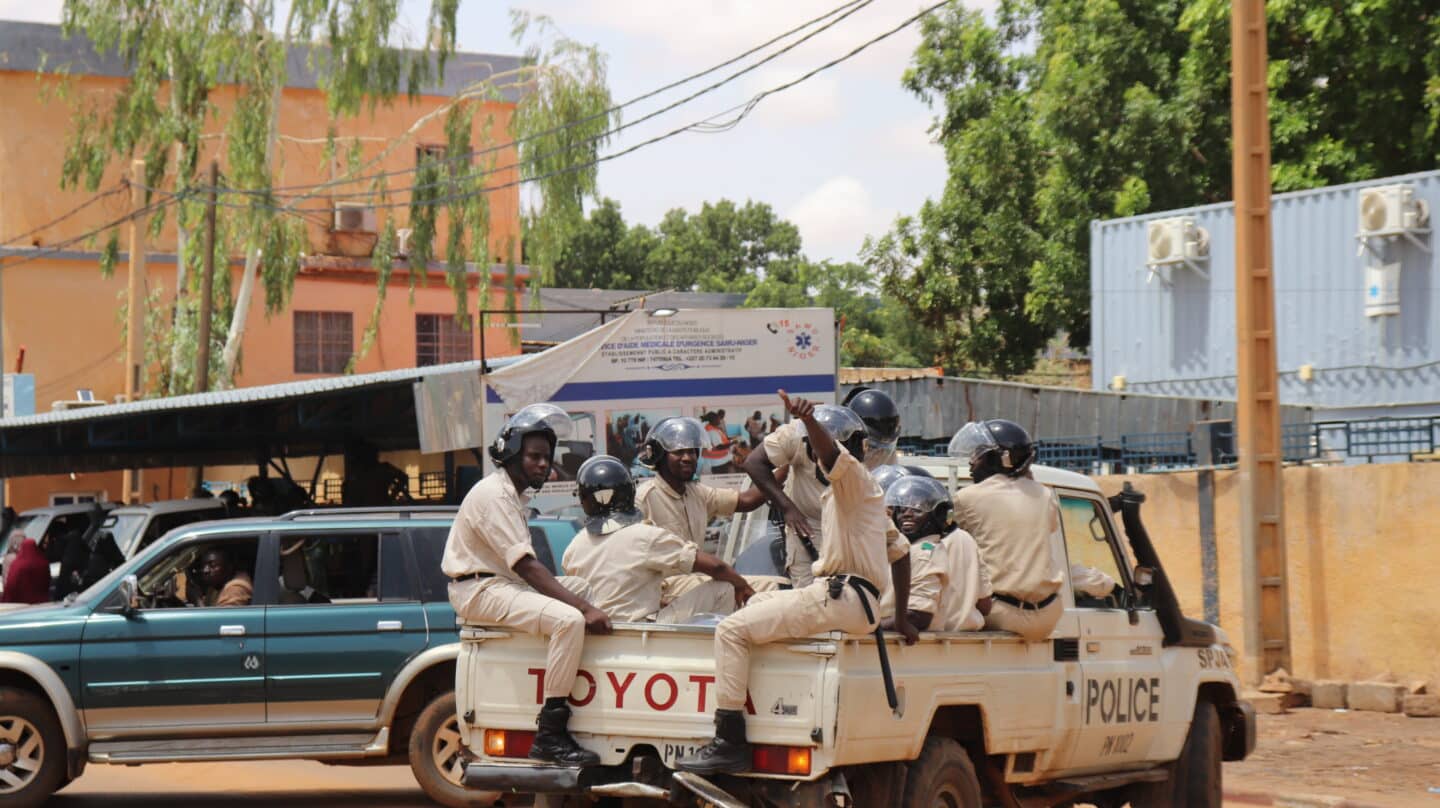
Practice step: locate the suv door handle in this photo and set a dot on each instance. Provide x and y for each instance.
(389, 625)
(232, 631)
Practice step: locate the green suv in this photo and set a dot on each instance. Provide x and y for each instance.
(319, 635)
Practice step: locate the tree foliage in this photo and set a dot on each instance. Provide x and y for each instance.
(192, 47)
(1058, 112)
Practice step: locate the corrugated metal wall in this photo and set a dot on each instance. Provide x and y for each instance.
(932, 409)
(1180, 340)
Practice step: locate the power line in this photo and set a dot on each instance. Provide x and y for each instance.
(704, 125)
(60, 246)
(66, 215)
(848, 8)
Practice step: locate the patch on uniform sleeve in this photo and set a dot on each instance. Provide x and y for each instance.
(925, 545)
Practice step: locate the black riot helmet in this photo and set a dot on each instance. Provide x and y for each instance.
(674, 434)
(918, 471)
(994, 447)
(536, 419)
(882, 421)
(607, 494)
(926, 495)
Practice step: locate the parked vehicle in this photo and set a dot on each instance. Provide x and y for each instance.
(57, 522)
(1129, 702)
(345, 653)
(136, 527)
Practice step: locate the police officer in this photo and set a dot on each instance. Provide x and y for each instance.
(882, 423)
(859, 544)
(949, 587)
(624, 560)
(495, 579)
(676, 501)
(1015, 520)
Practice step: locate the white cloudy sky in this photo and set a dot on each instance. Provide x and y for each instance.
(840, 155)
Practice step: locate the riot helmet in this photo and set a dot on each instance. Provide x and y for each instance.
(674, 434)
(919, 506)
(885, 476)
(844, 426)
(996, 446)
(543, 419)
(607, 494)
(882, 422)
(918, 471)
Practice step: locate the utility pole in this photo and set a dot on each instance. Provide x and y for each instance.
(135, 300)
(1257, 393)
(207, 292)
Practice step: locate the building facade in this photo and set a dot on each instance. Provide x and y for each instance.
(1356, 300)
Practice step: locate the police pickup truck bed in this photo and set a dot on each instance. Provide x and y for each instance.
(1130, 701)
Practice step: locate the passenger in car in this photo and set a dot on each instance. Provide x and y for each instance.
(949, 587)
(1014, 520)
(676, 501)
(626, 561)
(495, 579)
(1091, 582)
(224, 585)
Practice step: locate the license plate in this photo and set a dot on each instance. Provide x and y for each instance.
(671, 752)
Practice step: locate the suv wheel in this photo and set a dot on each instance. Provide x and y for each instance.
(1195, 779)
(438, 758)
(32, 749)
(942, 777)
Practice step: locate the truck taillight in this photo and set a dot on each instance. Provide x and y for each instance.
(513, 743)
(781, 760)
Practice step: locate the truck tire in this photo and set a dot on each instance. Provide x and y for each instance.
(437, 757)
(1195, 780)
(32, 749)
(942, 777)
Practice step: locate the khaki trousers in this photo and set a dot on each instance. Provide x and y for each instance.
(711, 597)
(773, 616)
(500, 602)
(1034, 625)
(677, 585)
(797, 559)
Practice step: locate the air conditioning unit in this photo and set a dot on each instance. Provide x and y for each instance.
(355, 217)
(402, 242)
(1390, 210)
(1177, 240)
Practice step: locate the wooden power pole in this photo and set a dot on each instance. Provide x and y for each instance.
(207, 293)
(1257, 393)
(135, 301)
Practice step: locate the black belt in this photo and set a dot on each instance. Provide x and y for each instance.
(1023, 604)
(474, 576)
(862, 588)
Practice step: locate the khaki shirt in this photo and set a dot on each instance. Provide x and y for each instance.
(490, 533)
(860, 539)
(786, 447)
(1090, 581)
(685, 515)
(946, 579)
(1013, 519)
(624, 569)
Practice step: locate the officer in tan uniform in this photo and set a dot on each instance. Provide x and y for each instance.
(1015, 520)
(495, 579)
(675, 500)
(860, 544)
(949, 588)
(624, 561)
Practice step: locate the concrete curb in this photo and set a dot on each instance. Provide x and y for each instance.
(1293, 800)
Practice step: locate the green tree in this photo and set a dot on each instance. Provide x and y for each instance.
(191, 46)
(605, 253)
(1060, 112)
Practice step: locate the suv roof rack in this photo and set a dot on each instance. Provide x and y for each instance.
(397, 511)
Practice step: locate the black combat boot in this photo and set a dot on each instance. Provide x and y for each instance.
(553, 743)
(727, 753)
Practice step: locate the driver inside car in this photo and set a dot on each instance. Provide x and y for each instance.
(224, 585)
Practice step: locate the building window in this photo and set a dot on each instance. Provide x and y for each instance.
(324, 341)
(440, 339)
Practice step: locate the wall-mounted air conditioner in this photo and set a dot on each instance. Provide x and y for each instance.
(354, 217)
(1176, 241)
(402, 242)
(1392, 211)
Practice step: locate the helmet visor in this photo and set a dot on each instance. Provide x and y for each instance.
(916, 493)
(678, 434)
(539, 416)
(971, 441)
(885, 476)
(878, 453)
(841, 422)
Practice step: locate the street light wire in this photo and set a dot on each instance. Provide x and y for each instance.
(66, 215)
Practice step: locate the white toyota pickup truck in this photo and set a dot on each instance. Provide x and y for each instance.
(1130, 701)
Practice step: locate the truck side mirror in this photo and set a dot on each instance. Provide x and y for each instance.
(129, 595)
(1144, 576)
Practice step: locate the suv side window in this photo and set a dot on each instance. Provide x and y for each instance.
(330, 568)
(1095, 575)
(202, 574)
(429, 544)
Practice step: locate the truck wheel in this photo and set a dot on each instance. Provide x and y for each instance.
(32, 749)
(438, 758)
(942, 777)
(1195, 781)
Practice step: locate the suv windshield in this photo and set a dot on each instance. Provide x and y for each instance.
(124, 527)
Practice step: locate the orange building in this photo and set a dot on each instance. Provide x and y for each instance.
(58, 309)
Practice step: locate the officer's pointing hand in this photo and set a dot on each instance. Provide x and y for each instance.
(596, 621)
(800, 408)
